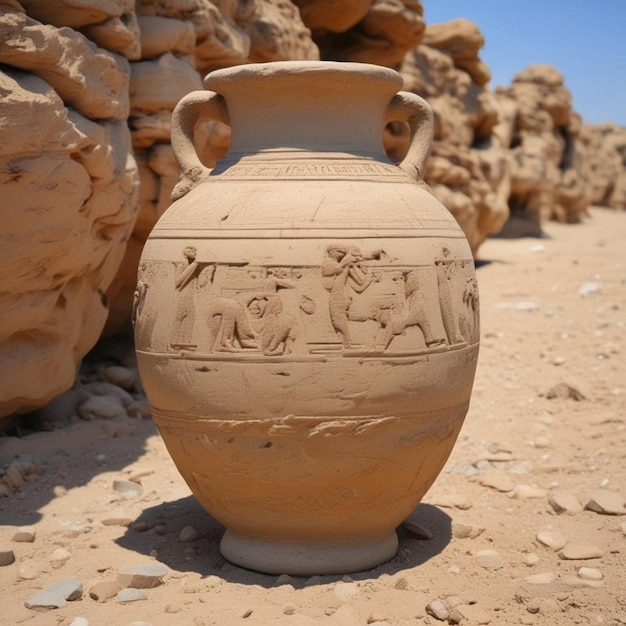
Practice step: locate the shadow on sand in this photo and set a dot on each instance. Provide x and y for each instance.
(202, 556)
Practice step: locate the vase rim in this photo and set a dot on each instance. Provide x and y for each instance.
(284, 69)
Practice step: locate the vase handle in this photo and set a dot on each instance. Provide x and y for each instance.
(416, 112)
(192, 108)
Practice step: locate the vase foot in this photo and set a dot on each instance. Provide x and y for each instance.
(307, 558)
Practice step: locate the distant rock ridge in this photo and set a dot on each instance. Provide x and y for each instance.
(86, 165)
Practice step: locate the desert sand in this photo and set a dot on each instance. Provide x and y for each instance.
(525, 525)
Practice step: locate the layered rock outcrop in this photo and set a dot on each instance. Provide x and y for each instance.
(69, 199)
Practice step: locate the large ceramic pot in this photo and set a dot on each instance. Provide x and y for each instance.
(306, 316)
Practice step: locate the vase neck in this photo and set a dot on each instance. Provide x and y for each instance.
(314, 106)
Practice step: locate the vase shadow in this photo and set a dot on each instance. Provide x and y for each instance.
(202, 555)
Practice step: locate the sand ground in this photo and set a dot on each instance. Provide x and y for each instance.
(553, 313)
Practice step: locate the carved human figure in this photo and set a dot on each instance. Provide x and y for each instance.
(186, 282)
(446, 269)
(395, 316)
(229, 326)
(342, 271)
(274, 327)
(470, 316)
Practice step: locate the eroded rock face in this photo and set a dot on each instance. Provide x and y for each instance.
(69, 202)
(467, 171)
(541, 130)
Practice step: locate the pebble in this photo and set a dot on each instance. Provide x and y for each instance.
(452, 500)
(558, 360)
(590, 573)
(465, 531)
(525, 492)
(104, 407)
(104, 590)
(564, 391)
(544, 578)
(173, 608)
(60, 557)
(131, 594)
(118, 375)
(552, 538)
(498, 481)
(141, 576)
(526, 305)
(576, 551)
(127, 488)
(606, 503)
(79, 621)
(438, 610)
(401, 583)
(117, 520)
(189, 533)
(488, 559)
(289, 609)
(532, 559)
(587, 289)
(13, 476)
(416, 530)
(25, 534)
(346, 591)
(7, 557)
(139, 409)
(29, 570)
(57, 595)
(283, 579)
(565, 503)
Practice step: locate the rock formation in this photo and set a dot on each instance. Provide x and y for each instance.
(70, 193)
(88, 87)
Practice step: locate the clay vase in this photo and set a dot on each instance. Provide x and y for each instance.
(306, 316)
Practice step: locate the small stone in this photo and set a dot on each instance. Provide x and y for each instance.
(142, 576)
(104, 590)
(131, 594)
(102, 407)
(56, 596)
(565, 503)
(417, 531)
(579, 551)
(289, 609)
(453, 500)
(401, 583)
(532, 559)
(346, 591)
(173, 608)
(376, 618)
(558, 360)
(127, 488)
(189, 533)
(590, 573)
(139, 409)
(29, 570)
(488, 559)
(79, 621)
(526, 492)
(283, 579)
(438, 610)
(498, 481)
(465, 531)
(606, 503)
(118, 375)
(247, 613)
(7, 557)
(25, 534)
(526, 305)
(587, 289)
(544, 578)
(564, 391)
(552, 538)
(117, 520)
(13, 475)
(60, 557)
(139, 473)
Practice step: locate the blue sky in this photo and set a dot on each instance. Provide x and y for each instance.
(584, 40)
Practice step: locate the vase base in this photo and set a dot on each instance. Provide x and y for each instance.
(307, 558)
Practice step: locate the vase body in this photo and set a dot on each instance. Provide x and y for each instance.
(306, 318)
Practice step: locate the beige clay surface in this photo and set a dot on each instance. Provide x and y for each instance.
(552, 313)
